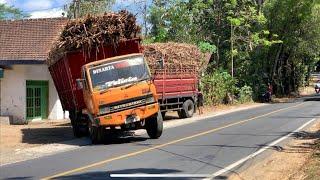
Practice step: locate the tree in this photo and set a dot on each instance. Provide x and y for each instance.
(10, 12)
(266, 40)
(222, 23)
(297, 25)
(156, 19)
(81, 8)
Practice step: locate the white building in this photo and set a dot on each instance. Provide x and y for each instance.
(27, 91)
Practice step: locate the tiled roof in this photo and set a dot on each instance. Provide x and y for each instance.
(28, 40)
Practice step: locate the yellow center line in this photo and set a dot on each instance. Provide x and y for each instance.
(163, 145)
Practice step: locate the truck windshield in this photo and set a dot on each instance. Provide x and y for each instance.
(118, 73)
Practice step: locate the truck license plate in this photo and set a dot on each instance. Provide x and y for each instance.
(131, 119)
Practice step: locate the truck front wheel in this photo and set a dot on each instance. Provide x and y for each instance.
(97, 134)
(154, 126)
(79, 124)
(187, 109)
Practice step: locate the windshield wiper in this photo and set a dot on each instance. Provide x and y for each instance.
(142, 78)
(126, 87)
(104, 91)
(130, 85)
(107, 89)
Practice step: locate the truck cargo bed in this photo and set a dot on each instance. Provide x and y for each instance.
(67, 69)
(174, 86)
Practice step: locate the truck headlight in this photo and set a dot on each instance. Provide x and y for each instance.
(150, 100)
(104, 110)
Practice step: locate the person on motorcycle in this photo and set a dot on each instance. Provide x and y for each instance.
(317, 87)
(267, 96)
(269, 92)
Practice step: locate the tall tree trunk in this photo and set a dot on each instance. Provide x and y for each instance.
(276, 61)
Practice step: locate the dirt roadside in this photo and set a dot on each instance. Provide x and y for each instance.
(298, 160)
(15, 139)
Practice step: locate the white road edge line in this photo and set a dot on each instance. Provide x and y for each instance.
(159, 175)
(237, 163)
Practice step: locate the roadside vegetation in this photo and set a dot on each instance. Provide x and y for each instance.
(253, 43)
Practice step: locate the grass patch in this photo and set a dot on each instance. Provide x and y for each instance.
(312, 168)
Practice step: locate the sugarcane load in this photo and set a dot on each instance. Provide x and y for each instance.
(93, 32)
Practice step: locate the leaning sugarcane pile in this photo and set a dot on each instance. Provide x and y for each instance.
(93, 32)
(176, 56)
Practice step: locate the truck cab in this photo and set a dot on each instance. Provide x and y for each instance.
(119, 94)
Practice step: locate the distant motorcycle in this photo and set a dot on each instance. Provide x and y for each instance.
(266, 97)
(317, 87)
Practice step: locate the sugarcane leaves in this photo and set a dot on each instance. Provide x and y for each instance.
(95, 31)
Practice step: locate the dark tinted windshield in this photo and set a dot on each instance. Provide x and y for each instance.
(118, 73)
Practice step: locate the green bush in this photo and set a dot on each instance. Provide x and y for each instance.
(216, 86)
(245, 94)
(207, 47)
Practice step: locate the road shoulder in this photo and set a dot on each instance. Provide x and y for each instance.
(288, 162)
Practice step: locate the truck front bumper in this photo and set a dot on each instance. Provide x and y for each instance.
(121, 117)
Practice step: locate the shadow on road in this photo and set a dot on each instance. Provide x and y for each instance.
(307, 146)
(20, 178)
(125, 140)
(64, 135)
(46, 135)
(315, 98)
(106, 174)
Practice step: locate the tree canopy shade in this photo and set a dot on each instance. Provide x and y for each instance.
(81, 8)
(10, 12)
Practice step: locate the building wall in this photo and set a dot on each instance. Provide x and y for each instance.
(13, 91)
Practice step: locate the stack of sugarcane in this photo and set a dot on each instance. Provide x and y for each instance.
(176, 56)
(93, 32)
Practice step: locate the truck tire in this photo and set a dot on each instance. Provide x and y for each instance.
(97, 134)
(154, 126)
(79, 125)
(187, 109)
(163, 113)
(76, 130)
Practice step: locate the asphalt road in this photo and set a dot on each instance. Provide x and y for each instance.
(201, 148)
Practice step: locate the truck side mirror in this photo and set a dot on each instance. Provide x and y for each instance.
(160, 63)
(80, 83)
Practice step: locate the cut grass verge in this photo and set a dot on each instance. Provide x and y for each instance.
(312, 168)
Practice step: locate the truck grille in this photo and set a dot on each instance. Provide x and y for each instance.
(126, 104)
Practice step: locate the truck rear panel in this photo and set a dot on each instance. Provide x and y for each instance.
(67, 69)
(174, 86)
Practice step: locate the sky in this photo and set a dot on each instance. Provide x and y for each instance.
(54, 8)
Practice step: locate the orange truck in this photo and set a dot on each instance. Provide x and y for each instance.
(108, 90)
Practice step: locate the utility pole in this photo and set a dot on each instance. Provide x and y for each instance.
(231, 44)
(232, 64)
(76, 8)
(145, 18)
